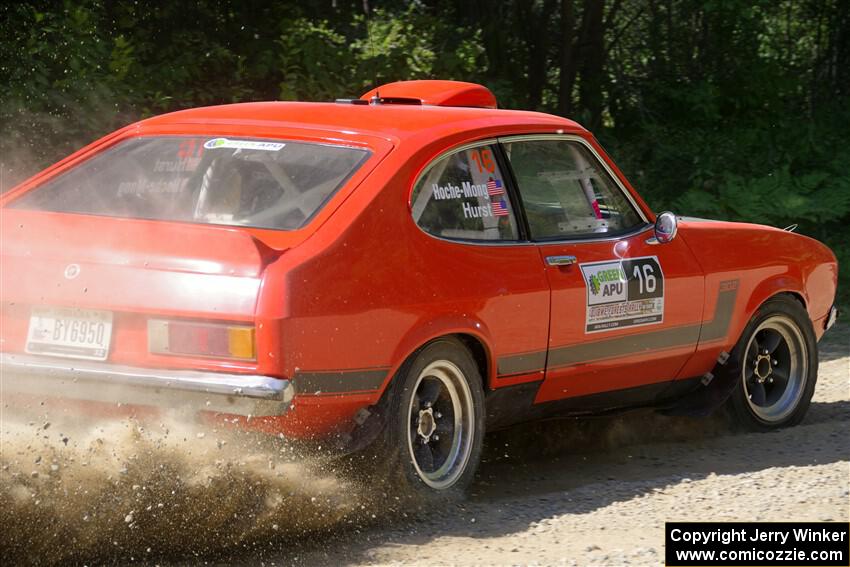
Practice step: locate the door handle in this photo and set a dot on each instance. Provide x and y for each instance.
(560, 260)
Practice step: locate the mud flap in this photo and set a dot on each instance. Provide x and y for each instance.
(368, 425)
(713, 391)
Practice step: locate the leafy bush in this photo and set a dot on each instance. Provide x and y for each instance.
(733, 110)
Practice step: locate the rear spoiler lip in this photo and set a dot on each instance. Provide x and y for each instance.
(268, 254)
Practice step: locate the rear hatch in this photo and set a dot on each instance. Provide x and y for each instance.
(143, 254)
(102, 279)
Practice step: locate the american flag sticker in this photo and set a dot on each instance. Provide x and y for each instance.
(494, 187)
(500, 208)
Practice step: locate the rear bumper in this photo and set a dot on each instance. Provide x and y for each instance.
(237, 394)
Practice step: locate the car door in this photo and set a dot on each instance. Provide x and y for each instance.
(625, 310)
(479, 266)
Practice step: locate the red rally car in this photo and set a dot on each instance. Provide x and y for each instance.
(407, 269)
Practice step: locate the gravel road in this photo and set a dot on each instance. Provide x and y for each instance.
(599, 493)
(559, 492)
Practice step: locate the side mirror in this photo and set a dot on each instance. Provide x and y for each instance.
(666, 225)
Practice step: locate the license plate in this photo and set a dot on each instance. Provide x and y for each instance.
(74, 333)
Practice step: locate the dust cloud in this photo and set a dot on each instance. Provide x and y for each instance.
(165, 489)
(130, 491)
(84, 490)
(33, 139)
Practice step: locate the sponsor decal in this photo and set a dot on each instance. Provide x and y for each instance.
(465, 190)
(217, 143)
(500, 208)
(623, 293)
(586, 351)
(476, 211)
(492, 189)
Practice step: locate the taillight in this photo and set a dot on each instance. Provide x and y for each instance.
(201, 339)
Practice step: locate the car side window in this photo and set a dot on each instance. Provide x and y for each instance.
(463, 195)
(566, 192)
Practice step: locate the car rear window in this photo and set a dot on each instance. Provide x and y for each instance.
(462, 196)
(276, 184)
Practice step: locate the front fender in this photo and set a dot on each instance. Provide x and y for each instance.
(762, 262)
(781, 283)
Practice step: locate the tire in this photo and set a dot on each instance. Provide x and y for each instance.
(779, 366)
(435, 423)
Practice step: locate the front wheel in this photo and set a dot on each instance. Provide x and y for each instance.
(435, 423)
(779, 362)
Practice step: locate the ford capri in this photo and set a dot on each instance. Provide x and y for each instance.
(401, 273)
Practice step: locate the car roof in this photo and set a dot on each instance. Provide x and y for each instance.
(396, 122)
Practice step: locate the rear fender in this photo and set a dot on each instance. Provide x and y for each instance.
(426, 331)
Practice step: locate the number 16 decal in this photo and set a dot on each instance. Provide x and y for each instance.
(623, 293)
(644, 277)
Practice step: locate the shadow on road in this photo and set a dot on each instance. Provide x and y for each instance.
(511, 494)
(605, 466)
(536, 471)
(835, 343)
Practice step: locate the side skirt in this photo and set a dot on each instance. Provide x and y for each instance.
(515, 404)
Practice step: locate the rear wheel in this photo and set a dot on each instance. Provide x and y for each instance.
(779, 361)
(435, 422)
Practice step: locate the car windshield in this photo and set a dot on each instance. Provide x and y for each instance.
(275, 184)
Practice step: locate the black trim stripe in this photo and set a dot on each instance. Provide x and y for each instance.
(656, 340)
(339, 381)
(367, 380)
(514, 404)
(716, 329)
(623, 346)
(521, 363)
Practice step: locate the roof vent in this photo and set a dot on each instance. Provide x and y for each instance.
(436, 93)
(380, 99)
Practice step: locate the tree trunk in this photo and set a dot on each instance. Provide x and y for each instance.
(842, 51)
(592, 61)
(568, 58)
(534, 24)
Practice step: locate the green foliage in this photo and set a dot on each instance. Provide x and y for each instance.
(320, 63)
(314, 61)
(56, 71)
(734, 109)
